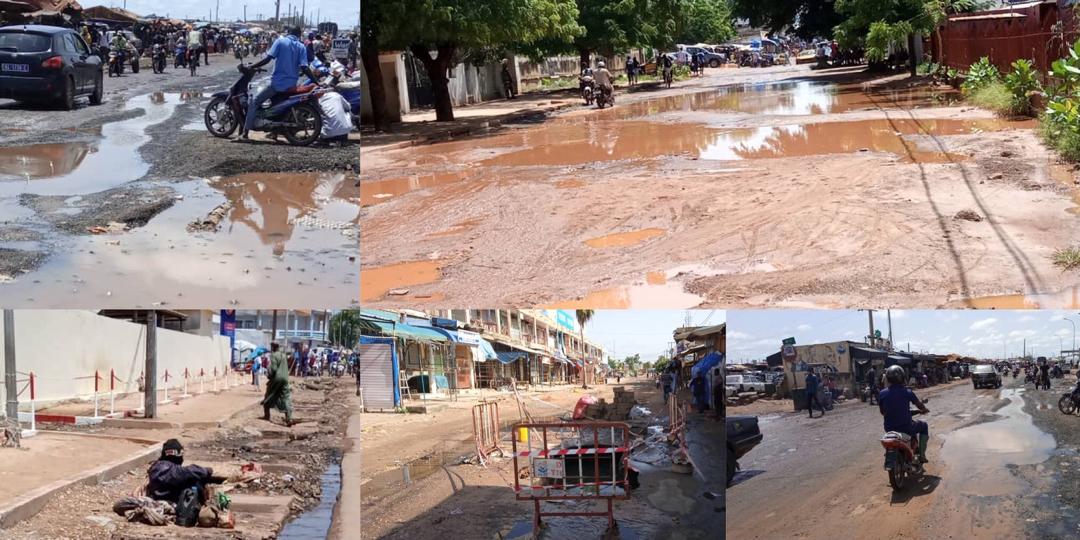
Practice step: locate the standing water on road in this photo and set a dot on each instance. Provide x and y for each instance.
(978, 455)
(315, 523)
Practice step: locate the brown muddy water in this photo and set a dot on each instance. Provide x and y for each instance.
(376, 282)
(638, 132)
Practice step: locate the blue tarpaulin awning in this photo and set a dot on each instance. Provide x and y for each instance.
(511, 357)
(407, 331)
(487, 352)
(711, 360)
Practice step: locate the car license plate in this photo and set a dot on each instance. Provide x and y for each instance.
(18, 68)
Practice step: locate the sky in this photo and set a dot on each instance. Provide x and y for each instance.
(755, 334)
(625, 332)
(344, 12)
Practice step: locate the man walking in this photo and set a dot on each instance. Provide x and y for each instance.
(872, 384)
(278, 394)
(811, 394)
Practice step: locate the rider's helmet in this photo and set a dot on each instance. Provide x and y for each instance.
(601, 65)
(895, 375)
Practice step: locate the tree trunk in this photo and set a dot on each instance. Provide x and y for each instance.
(440, 83)
(585, 56)
(369, 54)
(913, 62)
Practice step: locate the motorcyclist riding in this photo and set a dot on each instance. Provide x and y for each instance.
(603, 78)
(290, 59)
(893, 403)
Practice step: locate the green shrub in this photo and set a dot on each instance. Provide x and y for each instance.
(1022, 83)
(995, 97)
(980, 74)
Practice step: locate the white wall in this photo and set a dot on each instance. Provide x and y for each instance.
(64, 348)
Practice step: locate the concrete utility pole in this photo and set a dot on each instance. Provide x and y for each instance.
(888, 313)
(870, 314)
(10, 385)
(277, 12)
(150, 384)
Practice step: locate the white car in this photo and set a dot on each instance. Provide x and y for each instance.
(744, 383)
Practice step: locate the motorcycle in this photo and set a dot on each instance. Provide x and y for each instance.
(1057, 373)
(337, 369)
(349, 87)
(588, 88)
(193, 60)
(901, 456)
(116, 63)
(295, 114)
(1068, 404)
(181, 57)
(605, 97)
(134, 60)
(1029, 378)
(157, 58)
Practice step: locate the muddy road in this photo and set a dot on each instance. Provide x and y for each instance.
(802, 188)
(133, 203)
(451, 495)
(993, 472)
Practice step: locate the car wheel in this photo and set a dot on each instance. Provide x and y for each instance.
(95, 98)
(67, 98)
(714, 63)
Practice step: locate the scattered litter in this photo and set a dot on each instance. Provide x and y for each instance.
(212, 220)
(398, 292)
(112, 227)
(968, 215)
(638, 411)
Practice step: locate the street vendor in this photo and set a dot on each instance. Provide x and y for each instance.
(169, 477)
(277, 394)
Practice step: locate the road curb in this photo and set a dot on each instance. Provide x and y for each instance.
(29, 504)
(475, 128)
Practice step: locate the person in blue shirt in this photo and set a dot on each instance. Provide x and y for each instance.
(811, 394)
(290, 59)
(893, 402)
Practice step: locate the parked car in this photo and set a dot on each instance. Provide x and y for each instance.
(744, 383)
(985, 375)
(743, 435)
(711, 59)
(48, 63)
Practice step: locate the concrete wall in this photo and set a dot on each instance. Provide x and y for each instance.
(397, 95)
(63, 348)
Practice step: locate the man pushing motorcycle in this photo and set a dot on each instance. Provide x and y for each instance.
(893, 404)
(290, 59)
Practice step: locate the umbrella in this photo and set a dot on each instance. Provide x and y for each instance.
(244, 345)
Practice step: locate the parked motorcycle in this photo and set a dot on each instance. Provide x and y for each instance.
(349, 86)
(901, 457)
(605, 97)
(157, 58)
(588, 88)
(134, 55)
(295, 115)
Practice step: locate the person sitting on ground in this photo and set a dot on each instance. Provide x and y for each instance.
(893, 404)
(169, 477)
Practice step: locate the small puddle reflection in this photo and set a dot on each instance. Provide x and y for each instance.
(977, 456)
(1065, 299)
(624, 239)
(376, 282)
(78, 169)
(656, 292)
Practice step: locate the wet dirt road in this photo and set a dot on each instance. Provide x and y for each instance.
(988, 475)
(805, 189)
(131, 203)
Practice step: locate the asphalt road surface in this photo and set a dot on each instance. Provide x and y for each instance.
(988, 476)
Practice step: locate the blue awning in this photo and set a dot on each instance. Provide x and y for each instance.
(511, 357)
(712, 359)
(405, 331)
(487, 352)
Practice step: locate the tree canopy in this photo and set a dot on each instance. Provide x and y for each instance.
(803, 18)
(705, 21)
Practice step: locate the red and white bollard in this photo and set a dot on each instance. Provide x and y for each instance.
(202, 379)
(215, 379)
(33, 412)
(186, 375)
(112, 392)
(166, 400)
(97, 389)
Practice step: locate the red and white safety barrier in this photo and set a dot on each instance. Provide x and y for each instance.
(570, 452)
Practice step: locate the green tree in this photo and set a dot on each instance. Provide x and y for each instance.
(454, 28)
(345, 328)
(705, 21)
(632, 363)
(804, 18)
(661, 362)
(613, 26)
(583, 317)
(372, 18)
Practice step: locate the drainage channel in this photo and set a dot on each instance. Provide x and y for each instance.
(315, 523)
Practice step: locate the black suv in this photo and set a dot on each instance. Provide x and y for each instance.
(48, 63)
(985, 375)
(743, 435)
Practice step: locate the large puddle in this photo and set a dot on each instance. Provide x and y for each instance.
(79, 168)
(295, 233)
(377, 282)
(657, 291)
(977, 457)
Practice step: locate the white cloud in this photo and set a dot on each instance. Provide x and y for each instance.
(899, 314)
(738, 335)
(805, 328)
(1027, 318)
(1022, 333)
(983, 323)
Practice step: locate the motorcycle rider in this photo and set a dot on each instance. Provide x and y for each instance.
(603, 79)
(893, 403)
(290, 59)
(119, 43)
